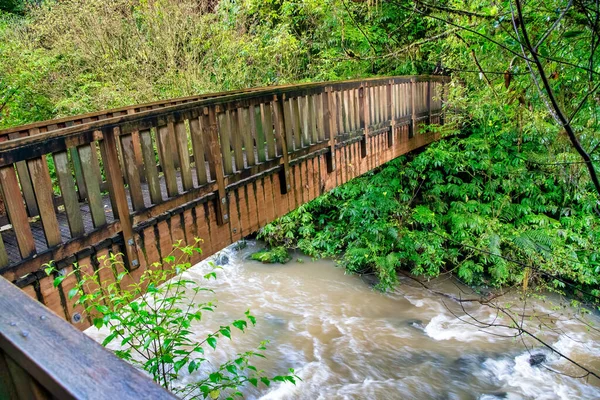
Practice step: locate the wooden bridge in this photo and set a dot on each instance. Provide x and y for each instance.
(137, 179)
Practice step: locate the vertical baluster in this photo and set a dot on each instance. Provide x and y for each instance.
(198, 147)
(69, 195)
(150, 168)
(15, 208)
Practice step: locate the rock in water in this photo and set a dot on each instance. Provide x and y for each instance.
(221, 260)
(536, 359)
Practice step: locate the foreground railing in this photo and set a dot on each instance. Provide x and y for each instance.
(135, 180)
(44, 357)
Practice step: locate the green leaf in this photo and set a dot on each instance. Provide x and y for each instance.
(72, 293)
(212, 341)
(58, 280)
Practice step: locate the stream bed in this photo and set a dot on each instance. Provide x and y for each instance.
(348, 341)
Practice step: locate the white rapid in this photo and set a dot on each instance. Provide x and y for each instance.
(348, 341)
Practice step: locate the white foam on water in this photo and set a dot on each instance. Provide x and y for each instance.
(520, 378)
(445, 327)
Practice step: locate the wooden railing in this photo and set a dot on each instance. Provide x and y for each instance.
(43, 357)
(218, 166)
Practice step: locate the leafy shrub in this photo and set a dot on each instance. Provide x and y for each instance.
(151, 322)
(272, 256)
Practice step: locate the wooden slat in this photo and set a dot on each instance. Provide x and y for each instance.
(4, 261)
(165, 141)
(268, 129)
(215, 163)
(149, 158)
(236, 138)
(92, 185)
(181, 142)
(25, 181)
(305, 120)
(312, 116)
(13, 201)
(319, 100)
(286, 178)
(26, 387)
(27, 188)
(68, 193)
(198, 148)
(225, 136)
(247, 137)
(44, 195)
(114, 177)
(288, 124)
(132, 172)
(256, 124)
(297, 125)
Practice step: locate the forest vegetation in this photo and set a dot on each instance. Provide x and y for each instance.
(508, 197)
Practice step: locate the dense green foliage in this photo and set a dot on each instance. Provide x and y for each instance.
(466, 204)
(78, 56)
(151, 324)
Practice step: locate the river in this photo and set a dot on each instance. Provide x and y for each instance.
(348, 341)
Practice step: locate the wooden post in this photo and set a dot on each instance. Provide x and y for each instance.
(428, 100)
(390, 113)
(364, 120)
(114, 176)
(413, 114)
(215, 161)
(329, 127)
(284, 175)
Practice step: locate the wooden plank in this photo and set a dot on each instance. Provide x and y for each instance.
(68, 193)
(149, 158)
(312, 116)
(245, 124)
(132, 172)
(279, 113)
(216, 166)
(15, 208)
(198, 147)
(78, 173)
(297, 125)
(92, 185)
(321, 122)
(25, 180)
(236, 138)
(116, 186)
(165, 138)
(181, 141)
(256, 123)
(268, 129)
(305, 119)
(288, 131)
(7, 387)
(329, 126)
(225, 137)
(27, 188)
(100, 374)
(4, 261)
(44, 195)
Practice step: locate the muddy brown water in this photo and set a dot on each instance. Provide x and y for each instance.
(348, 341)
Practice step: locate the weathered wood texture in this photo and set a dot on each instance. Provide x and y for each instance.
(217, 168)
(43, 357)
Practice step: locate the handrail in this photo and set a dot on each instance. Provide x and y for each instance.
(44, 357)
(185, 103)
